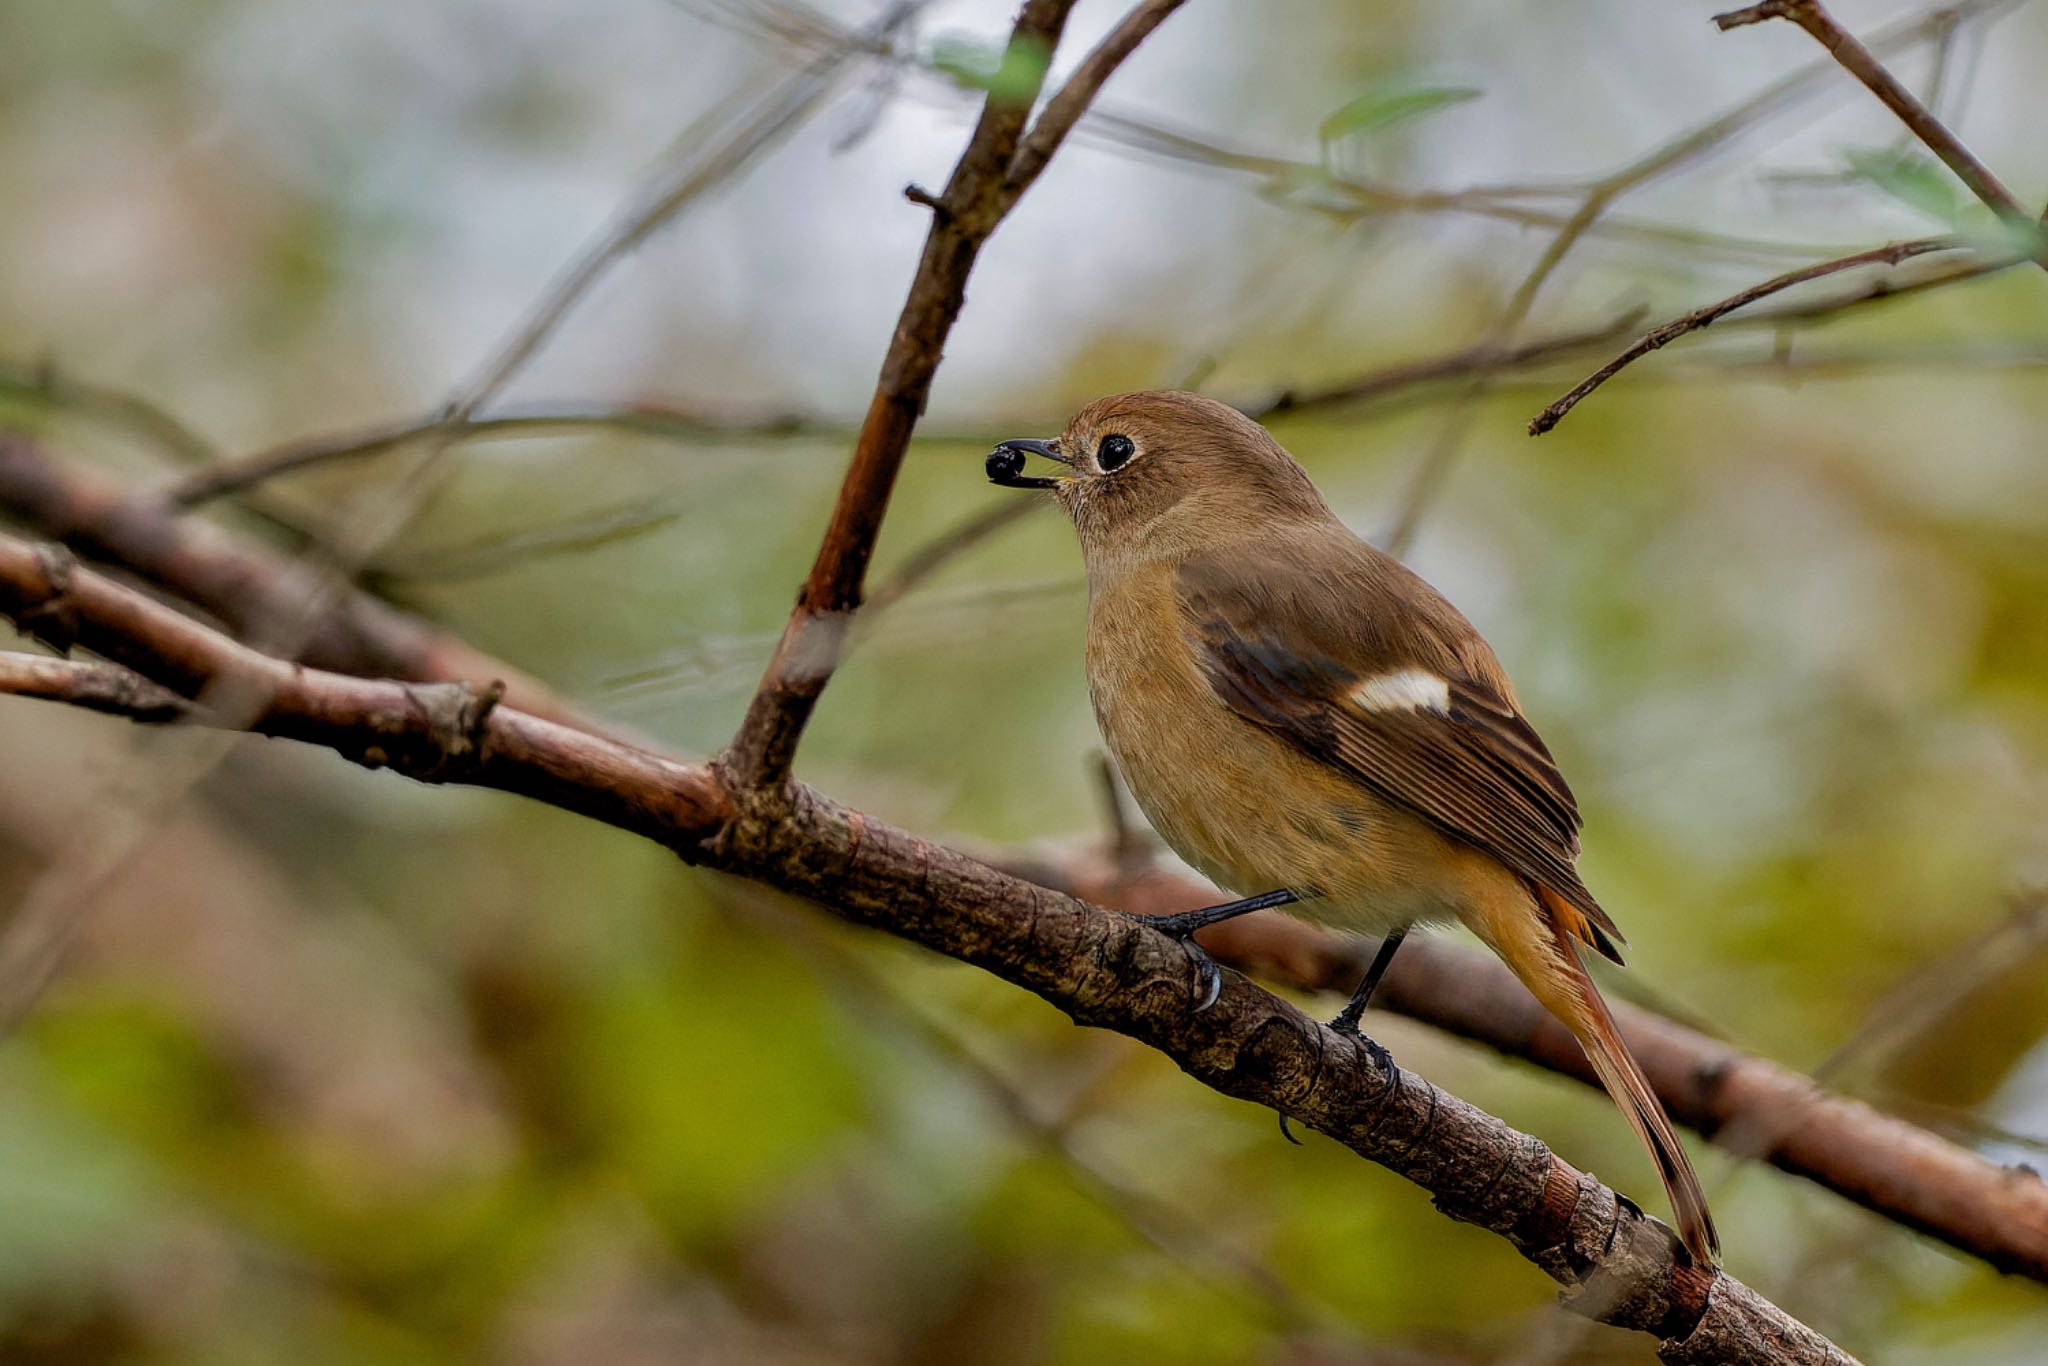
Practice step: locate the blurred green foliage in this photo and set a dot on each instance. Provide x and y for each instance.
(345, 1070)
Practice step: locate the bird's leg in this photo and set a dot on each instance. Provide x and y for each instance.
(1354, 1010)
(1209, 982)
(1347, 1019)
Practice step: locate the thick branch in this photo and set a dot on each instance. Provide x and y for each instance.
(1100, 968)
(999, 165)
(237, 585)
(1743, 1102)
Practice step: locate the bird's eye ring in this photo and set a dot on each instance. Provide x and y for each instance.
(1114, 453)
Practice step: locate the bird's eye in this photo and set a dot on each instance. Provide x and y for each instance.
(1114, 453)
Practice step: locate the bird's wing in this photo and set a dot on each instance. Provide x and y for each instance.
(1368, 670)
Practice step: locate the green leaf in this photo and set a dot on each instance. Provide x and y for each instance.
(1386, 107)
(1912, 180)
(1012, 75)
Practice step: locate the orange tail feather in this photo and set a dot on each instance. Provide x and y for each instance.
(1560, 981)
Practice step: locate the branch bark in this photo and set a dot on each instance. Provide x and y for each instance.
(1745, 1103)
(1102, 969)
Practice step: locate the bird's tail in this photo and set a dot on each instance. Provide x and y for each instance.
(1549, 965)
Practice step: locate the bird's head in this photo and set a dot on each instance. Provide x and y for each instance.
(1160, 473)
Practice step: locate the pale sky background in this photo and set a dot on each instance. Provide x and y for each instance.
(782, 287)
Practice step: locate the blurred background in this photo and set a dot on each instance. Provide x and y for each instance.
(342, 1069)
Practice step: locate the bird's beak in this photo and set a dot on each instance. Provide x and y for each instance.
(1005, 464)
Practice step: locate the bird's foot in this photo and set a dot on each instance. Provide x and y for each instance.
(1346, 1024)
(1208, 977)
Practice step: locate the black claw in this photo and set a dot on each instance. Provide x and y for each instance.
(1208, 978)
(1288, 1133)
(1381, 1058)
(1209, 981)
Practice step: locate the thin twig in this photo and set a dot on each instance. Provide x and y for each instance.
(949, 545)
(1884, 288)
(1312, 184)
(1933, 991)
(1432, 473)
(49, 385)
(682, 184)
(1859, 61)
(1071, 101)
(720, 145)
(1129, 844)
(668, 421)
(106, 688)
(1466, 361)
(1890, 254)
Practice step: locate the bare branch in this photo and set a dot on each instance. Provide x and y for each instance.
(107, 688)
(722, 144)
(1433, 472)
(1459, 364)
(1103, 969)
(1860, 62)
(238, 585)
(49, 385)
(681, 184)
(1885, 287)
(1284, 177)
(1934, 989)
(1890, 255)
(999, 164)
(1066, 107)
(940, 551)
(670, 421)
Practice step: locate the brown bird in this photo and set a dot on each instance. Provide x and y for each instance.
(1307, 722)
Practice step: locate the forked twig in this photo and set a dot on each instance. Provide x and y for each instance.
(1002, 160)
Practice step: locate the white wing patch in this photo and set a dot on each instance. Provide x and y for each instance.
(1403, 690)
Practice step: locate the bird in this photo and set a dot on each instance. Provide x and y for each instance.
(1309, 724)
